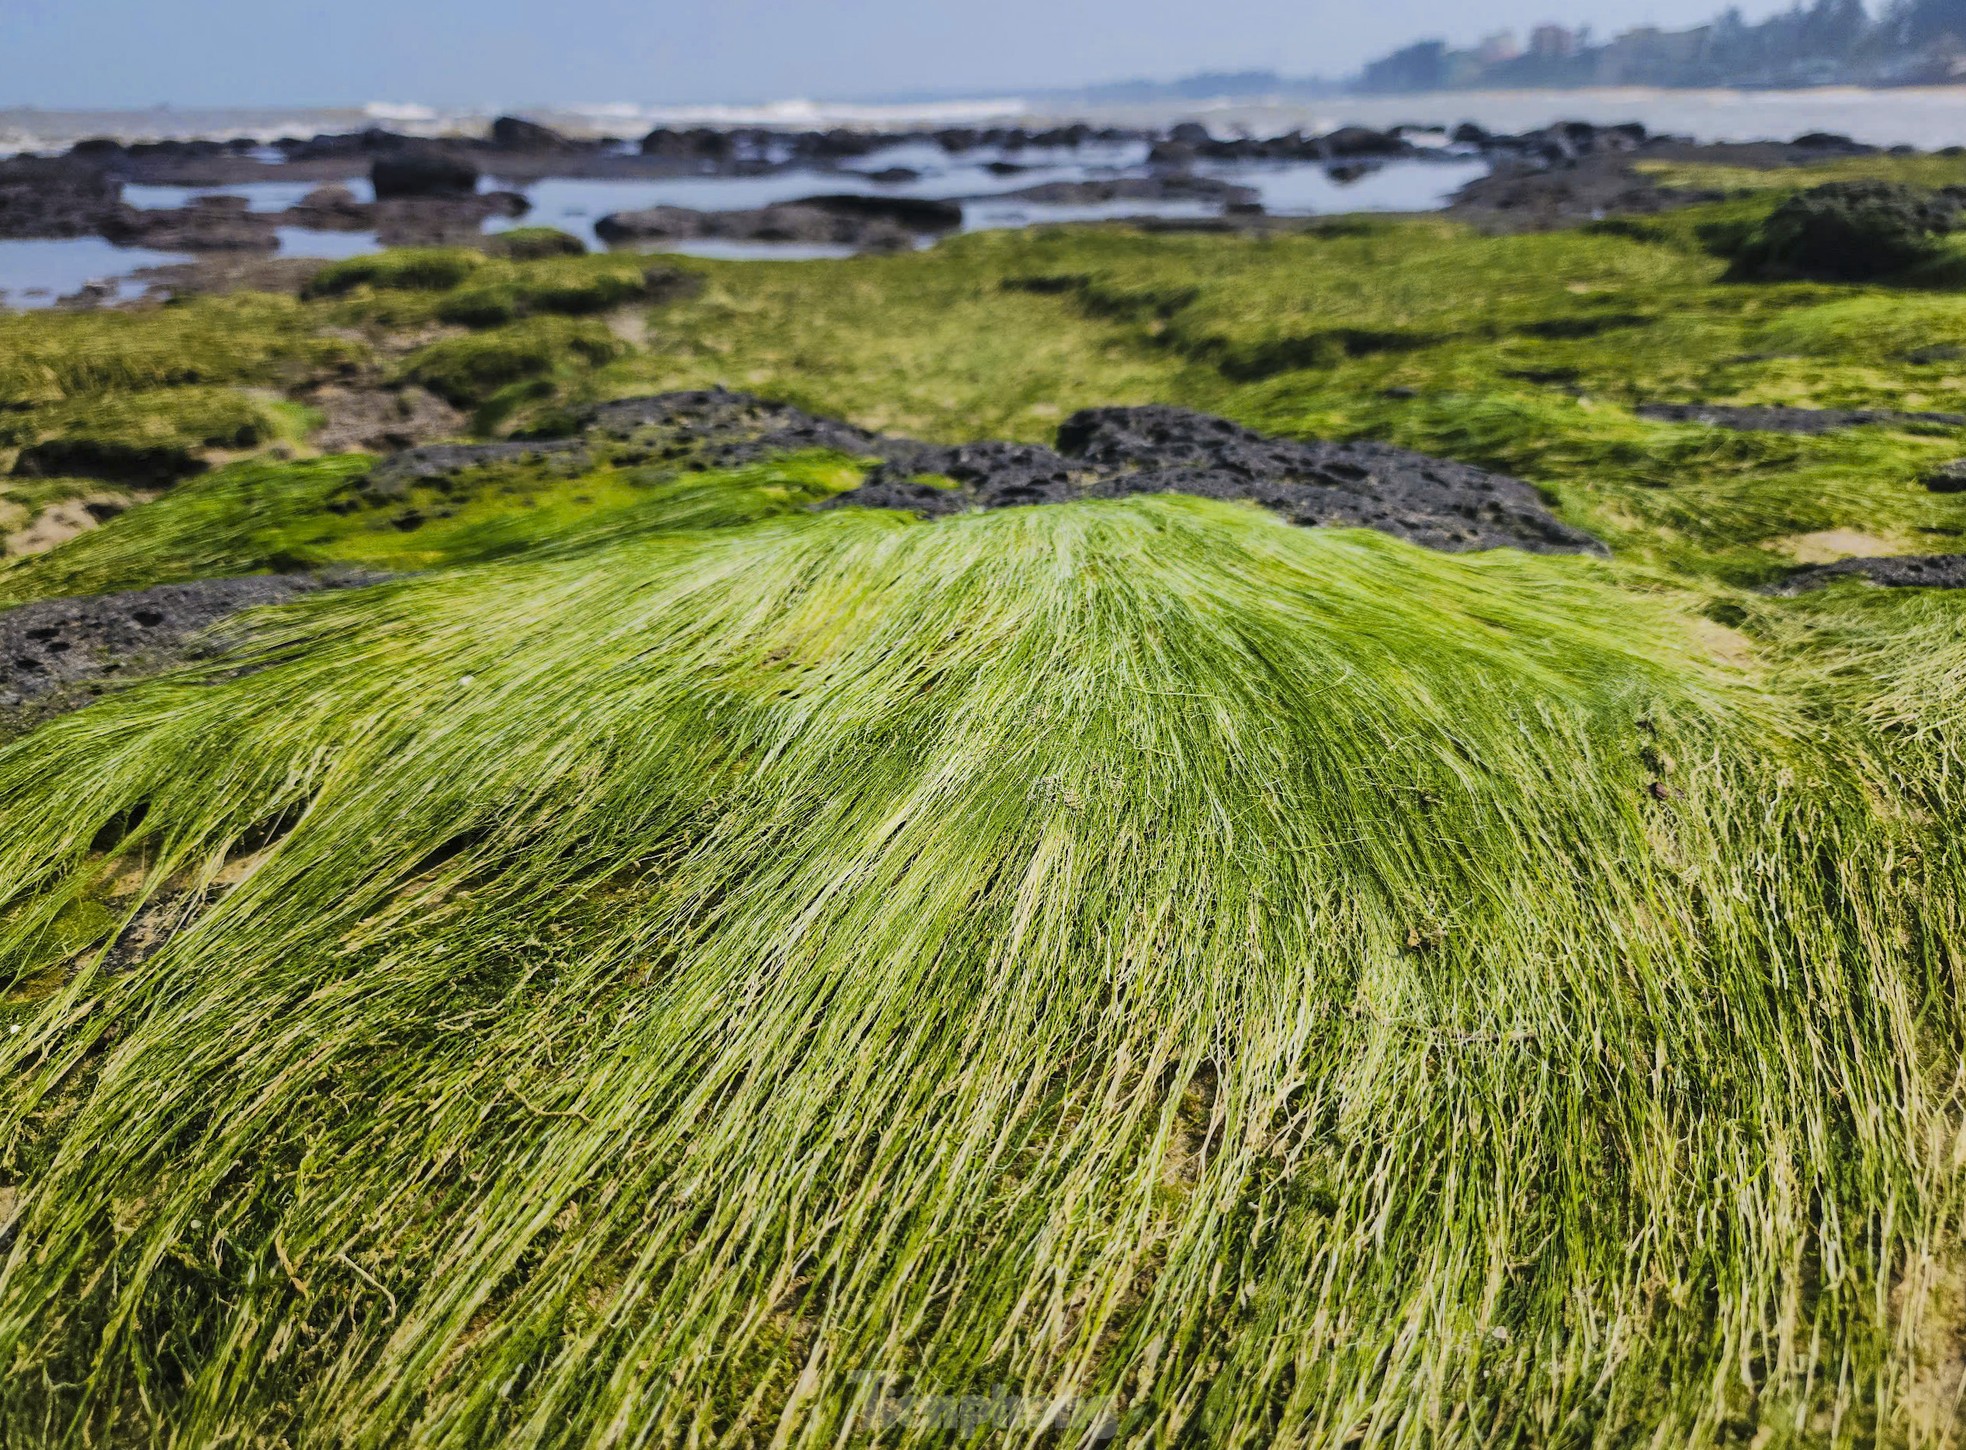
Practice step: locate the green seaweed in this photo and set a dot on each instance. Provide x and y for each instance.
(675, 967)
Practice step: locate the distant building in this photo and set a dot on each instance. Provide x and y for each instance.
(1811, 43)
(1650, 56)
(1553, 42)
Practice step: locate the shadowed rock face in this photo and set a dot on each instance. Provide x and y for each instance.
(1907, 571)
(1101, 453)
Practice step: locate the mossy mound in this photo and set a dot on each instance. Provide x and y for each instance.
(621, 925)
(1849, 231)
(468, 371)
(534, 244)
(408, 269)
(145, 439)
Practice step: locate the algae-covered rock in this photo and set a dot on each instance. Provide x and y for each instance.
(533, 244)
(406, 269)
(1848, 231)
(465, 371)
(1947, 477)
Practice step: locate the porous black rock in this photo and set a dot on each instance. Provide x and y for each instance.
(56, 653)
(1101, 453)
(1779, 419)
(54, 199)
(1904, 571)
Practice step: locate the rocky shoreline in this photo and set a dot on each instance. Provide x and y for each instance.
(430, 192)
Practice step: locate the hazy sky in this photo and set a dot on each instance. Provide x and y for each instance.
(515, 52)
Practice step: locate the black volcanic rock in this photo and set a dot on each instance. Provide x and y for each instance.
(206, 224)
(916, 214)
(55, 198)
(1779, 419)
(867, 222)
(513, 133)
(1905, 571)
(1102, 453)
(422, 171)
(1353, 141)
(1176, 186)
(56, 654)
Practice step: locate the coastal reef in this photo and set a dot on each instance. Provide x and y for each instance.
(1238, 835)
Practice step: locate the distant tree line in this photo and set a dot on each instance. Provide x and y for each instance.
(1826, 42)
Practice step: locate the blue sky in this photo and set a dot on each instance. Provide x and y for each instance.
(519, 52)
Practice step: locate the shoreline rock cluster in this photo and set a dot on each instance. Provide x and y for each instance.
(444, 191)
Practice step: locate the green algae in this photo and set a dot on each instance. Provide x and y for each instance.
(402, 269)
(525, 359)
(261, 517)
(532, 244)
(1522, 353)
(677, 957)
(51, 357)
(642, 915)
(150, 437)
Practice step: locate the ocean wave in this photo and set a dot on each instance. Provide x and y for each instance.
(405, 113)
(819, 114)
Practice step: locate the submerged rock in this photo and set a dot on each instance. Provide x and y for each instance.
(428, 221)
(331, 209)
(1175, 186)
(206, 224)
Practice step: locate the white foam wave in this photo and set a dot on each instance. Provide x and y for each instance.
(819, 114)
(395, 113)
